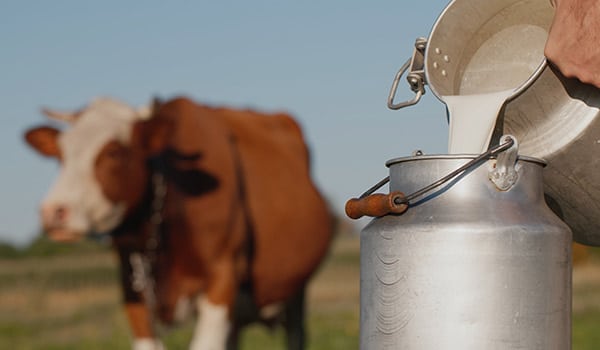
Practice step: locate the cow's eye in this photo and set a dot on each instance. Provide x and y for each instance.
(115, 152)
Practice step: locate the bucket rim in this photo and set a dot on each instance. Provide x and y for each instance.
(406, 159)
(434, 33)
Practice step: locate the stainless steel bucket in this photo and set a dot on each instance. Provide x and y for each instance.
(554, 118)
(468, 266)
(478, 47)
(558, 119)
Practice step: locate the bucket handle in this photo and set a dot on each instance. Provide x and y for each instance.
(375, 205)
(415, 77)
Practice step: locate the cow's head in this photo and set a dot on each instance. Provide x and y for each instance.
(103, 157)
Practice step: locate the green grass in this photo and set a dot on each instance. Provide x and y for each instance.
(57, 297)
(586, 330)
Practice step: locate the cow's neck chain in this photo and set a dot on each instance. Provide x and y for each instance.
(156, 217)
(144, 263)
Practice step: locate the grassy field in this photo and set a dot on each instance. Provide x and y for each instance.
(66, 297)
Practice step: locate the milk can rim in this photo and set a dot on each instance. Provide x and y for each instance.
(395, 161)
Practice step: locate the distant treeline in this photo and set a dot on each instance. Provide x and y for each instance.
(44, 247)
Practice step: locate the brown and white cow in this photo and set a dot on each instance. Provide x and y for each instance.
(207, 204)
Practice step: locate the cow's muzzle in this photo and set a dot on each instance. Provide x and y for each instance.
(54, 220)
(63, 235)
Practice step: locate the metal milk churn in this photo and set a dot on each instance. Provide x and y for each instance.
(472, 258)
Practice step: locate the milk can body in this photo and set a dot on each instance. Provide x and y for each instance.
(467, 267)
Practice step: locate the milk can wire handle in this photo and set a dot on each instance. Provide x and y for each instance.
(401, 202)
(415, 77)
(491, 152)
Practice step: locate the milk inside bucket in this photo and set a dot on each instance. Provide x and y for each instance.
(484, 60)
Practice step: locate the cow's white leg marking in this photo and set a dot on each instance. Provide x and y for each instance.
(271, 311)
(183, 309)
(212, 326)
(147, 344)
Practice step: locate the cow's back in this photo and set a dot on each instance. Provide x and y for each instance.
(291, 222)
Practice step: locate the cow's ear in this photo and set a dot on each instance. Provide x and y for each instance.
(151, 135)
(44, 139)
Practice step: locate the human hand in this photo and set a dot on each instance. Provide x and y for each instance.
(573, 44)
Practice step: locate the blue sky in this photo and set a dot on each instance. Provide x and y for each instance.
(328, 63)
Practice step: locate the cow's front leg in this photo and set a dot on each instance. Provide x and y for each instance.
(138, 314)
(213, 326)
(214, 323)
(139, 321)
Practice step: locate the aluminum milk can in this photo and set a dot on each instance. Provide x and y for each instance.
(477, 261)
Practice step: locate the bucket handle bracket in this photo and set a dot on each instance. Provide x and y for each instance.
(415, 76)
(504, 174)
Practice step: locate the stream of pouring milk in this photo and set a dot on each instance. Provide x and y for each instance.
(472, 120)
(499, 66)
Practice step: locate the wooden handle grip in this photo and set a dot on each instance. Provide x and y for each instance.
(375, 205)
